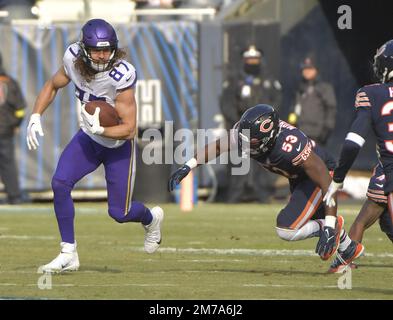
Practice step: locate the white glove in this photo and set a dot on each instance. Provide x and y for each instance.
(33, 127)
(329, 196)
(92, 122)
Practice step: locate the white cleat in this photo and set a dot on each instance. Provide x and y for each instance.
(153, 230)
(67, 260)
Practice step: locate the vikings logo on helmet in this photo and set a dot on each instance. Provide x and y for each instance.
(98, 34)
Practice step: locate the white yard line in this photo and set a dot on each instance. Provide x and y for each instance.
(26, 237)
(94, 285)
(251, 252)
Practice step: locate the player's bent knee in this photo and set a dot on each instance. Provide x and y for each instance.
(60, 188)
(288, 234)
(284, 219)
(116, 214)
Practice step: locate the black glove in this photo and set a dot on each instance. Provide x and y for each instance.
(178, 176)
(328, 243)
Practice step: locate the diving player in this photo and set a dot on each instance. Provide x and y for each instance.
(284, 149)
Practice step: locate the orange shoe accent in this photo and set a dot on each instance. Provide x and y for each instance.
(349, 261)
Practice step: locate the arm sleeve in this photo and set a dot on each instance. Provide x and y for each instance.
(353, 143)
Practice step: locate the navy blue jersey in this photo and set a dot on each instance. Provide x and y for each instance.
(291, 149)
(376, 101)
(374, 106)
(375, 190)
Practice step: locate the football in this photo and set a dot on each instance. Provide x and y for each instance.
(108, 114)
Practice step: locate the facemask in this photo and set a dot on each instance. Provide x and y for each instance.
(253, 69)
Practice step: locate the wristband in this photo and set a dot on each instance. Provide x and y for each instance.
(330, 221)
(192, 163)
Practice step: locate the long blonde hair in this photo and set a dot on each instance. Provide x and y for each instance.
(87, 72)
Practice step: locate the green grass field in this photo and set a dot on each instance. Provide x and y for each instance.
(215, 252)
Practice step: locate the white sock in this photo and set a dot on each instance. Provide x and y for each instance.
(310, 229)
(345, 241)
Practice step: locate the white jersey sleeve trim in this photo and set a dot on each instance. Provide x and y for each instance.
(354, 137)
(69, 57)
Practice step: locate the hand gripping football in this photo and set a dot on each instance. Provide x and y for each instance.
(108, 114)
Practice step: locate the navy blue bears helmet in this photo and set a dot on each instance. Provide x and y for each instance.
(262, 124)
(383, 62)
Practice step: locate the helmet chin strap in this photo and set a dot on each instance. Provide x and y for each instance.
(100, 67)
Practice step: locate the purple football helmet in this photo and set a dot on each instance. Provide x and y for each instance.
(98, 34)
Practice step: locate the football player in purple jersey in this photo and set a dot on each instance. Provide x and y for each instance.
(374, 107)
(285, 150)
(96, 67)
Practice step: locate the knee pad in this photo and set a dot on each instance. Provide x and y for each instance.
(290, 234)
(60, 188)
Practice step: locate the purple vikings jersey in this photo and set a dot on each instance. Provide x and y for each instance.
(290, 150)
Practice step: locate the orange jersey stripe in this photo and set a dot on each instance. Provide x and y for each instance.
(311, 206)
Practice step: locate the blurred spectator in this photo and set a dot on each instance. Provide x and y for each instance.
(18, 9)
(314, 110)
(12, 105)
(250, 87)
(157, 4)
(201, 3)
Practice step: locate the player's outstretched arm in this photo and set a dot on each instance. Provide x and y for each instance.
(44, 99)
(202, 156)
